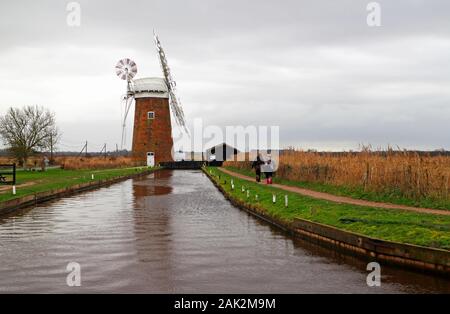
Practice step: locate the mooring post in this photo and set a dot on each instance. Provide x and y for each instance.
(14, 174)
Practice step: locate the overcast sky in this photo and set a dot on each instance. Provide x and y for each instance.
(313, 68)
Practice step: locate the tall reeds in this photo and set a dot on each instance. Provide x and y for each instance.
(409, 174)
(77, 163)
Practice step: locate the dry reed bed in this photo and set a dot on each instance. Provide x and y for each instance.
(411, 174)
(77, 163)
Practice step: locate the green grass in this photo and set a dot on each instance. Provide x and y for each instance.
(394, 197)
(386, 224)
(59, 178)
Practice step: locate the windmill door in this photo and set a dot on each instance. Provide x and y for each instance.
(150, 159)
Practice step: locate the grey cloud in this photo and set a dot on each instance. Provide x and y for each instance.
(312, 67)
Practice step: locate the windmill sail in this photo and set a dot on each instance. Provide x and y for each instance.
(175, 104)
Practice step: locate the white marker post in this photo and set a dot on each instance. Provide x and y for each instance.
(232, 186)
(248, 193)
(14, 190)
(286, 200)
(256, 197)
(243, 189)
(92, 176)
(274, 198)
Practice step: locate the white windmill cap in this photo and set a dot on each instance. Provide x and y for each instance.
(150, 87)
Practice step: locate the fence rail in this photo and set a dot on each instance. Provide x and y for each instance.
(8, 174)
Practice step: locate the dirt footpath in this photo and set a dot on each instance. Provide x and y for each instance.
(342, 199)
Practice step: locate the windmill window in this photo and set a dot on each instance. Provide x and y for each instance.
(151, 115)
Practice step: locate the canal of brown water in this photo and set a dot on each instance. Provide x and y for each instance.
(173, 232)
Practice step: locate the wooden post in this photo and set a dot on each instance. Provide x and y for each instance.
(14, 174)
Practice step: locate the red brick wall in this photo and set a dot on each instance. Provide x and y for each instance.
(152, 135)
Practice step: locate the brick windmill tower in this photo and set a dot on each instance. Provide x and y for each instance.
(154, 100)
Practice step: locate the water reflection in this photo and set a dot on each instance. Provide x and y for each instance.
(158, 183)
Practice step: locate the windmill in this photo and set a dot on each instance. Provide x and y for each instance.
(126, 70)
(155, 99)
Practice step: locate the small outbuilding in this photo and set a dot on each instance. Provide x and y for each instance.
(221, 153)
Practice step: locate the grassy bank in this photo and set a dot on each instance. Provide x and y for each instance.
(394, 197)
(386, 224)
(31, 182)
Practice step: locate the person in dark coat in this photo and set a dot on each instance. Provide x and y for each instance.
(257, 166)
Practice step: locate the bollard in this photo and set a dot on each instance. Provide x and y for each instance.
(274, 198)
(286, 200)
(14, 190)
(248, 193)
(92, 176)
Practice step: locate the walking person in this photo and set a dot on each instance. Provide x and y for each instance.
(256, 164)
(269, 168)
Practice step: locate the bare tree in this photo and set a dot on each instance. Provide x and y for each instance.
(27, 131)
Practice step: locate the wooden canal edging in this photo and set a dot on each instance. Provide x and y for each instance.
(7, 207)
(418, 258)
(182, 165)
(189, 164)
